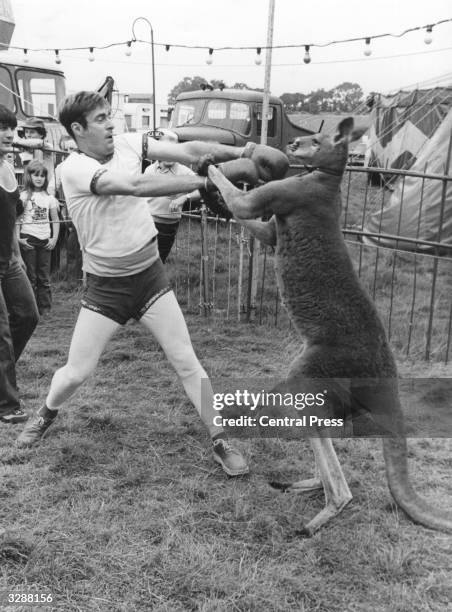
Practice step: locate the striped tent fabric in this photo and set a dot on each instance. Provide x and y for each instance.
(413, 130)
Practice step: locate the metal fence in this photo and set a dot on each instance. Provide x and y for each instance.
(218, 270)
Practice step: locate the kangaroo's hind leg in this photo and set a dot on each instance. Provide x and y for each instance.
(337, 492)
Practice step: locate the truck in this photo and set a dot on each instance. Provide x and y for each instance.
(32, 90)
(232, 117)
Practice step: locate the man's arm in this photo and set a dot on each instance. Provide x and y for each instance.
(29, 143)
(55, 223)
(189, 153)
(106, 182)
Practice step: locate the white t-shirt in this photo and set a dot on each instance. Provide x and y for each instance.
(36, 215)
(114, 231)
(159, 206)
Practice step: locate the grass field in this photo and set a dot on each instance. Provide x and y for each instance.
(121, 508)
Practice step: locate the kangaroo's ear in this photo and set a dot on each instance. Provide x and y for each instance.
(356, 134)
(344, 129)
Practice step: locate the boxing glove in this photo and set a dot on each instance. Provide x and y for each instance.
(237, 171)
(216, 205)
(271, 163)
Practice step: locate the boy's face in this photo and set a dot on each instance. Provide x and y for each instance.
(6, 139)
(97, 138)
(31, 133)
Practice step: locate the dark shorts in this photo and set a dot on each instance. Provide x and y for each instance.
(121, 298)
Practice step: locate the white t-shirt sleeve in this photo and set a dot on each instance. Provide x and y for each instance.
(132, 140)
(152, 169)
(79, 173)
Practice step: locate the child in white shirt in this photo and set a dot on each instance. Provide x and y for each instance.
(39, 229)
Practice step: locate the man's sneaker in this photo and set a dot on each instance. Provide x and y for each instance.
(229, 458)
(34, 430)
(15, 416)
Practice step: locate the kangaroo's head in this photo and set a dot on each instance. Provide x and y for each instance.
(326, 151)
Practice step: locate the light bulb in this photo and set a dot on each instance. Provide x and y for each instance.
(367, 49)
(209, 59)
(25, 56)
(428, 35)
(57, 57)
(258, 59)
(91, 57)
(128, 50)
(307, 57)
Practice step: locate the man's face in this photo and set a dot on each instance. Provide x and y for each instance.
(96, 139)
(6, 139)
(167, 164)
(31, 133)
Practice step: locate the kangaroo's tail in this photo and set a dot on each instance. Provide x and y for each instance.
(417, 508)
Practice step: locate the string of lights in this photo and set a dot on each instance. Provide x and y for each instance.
(136, 62)
(367, 49)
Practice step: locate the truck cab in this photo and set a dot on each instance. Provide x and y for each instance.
(233, 117)
(32, 90)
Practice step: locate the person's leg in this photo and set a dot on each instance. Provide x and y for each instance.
(165, 238)
(164, 319)
(29, 257)
(91, 334)
(9, 397)
(21, 305)
(43, 293)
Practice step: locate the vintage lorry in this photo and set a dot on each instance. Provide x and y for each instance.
(233, 117)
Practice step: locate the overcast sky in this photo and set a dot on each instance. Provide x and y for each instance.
(395, 62)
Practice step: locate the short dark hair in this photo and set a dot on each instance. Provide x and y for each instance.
(7, 117)
(76, 106)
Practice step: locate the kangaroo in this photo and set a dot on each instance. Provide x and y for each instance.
(343, 336)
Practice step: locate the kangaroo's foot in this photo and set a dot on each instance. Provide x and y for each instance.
(301, 486)
(337, 493)
(331, 510)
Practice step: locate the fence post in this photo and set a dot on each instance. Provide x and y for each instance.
(249, 298)
(240, 277)
(205, 304)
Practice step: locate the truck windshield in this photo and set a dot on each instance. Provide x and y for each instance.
(187, 112)
(229, 115)
(225, 114)
(40, 93)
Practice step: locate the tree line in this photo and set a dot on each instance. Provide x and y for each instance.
(347, 97)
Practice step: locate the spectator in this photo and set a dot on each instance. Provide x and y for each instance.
(18, 311)
(39, 231)
(32, 139)
(166, 210)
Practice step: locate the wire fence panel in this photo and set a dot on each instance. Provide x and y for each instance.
(412, 290)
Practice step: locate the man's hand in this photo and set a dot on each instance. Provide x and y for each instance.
(177, 204)
(51, 244)
(25, 245)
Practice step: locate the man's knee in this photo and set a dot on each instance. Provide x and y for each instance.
(184, 360)
(75, 376)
